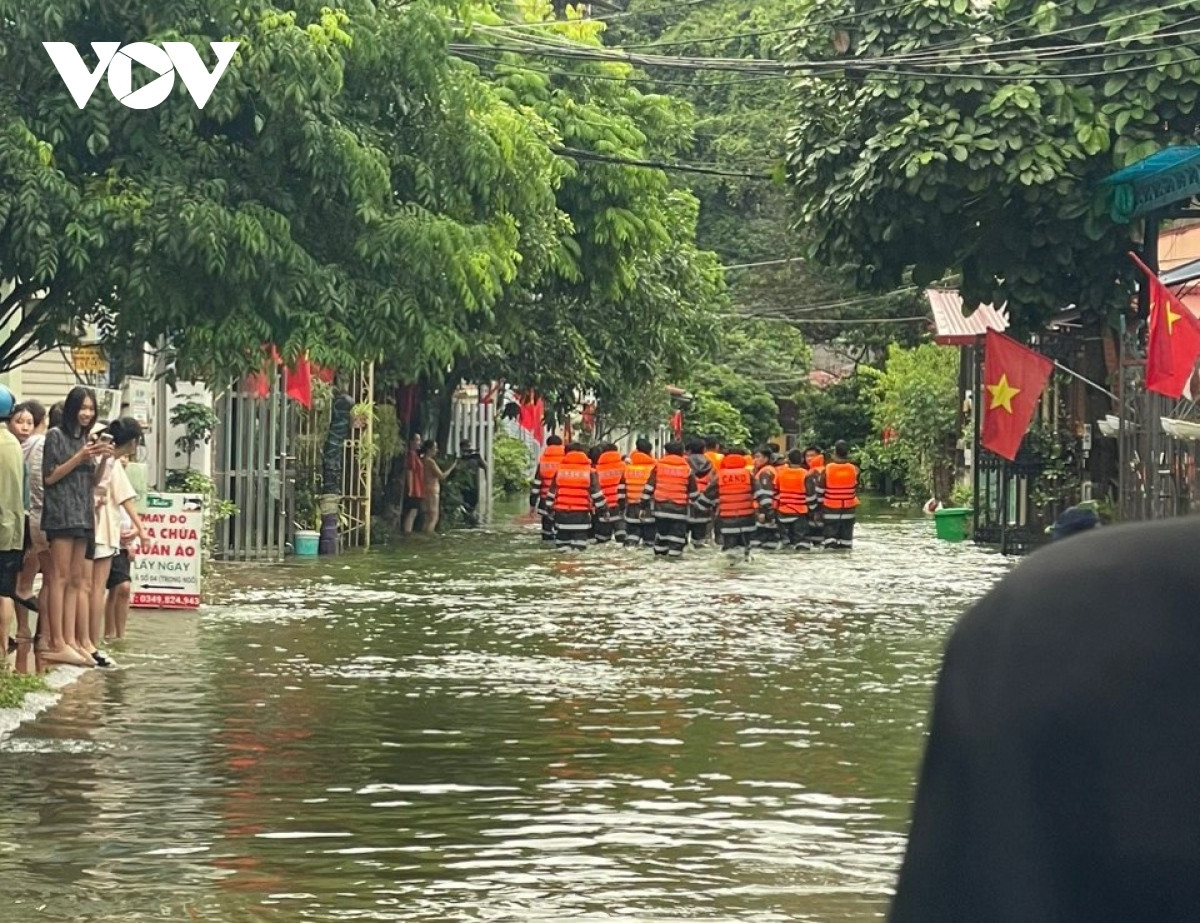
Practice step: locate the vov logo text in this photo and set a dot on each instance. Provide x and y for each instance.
(171, 59)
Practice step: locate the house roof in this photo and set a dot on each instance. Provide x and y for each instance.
(951, 328)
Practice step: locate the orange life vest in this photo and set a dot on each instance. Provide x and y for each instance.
(715, 459)
(671, 480)
(793, 498)
(749, 462)
(573, 484)
(548, 466)
(841, 486)
(735, 489)
(637, 473)
(610, 468)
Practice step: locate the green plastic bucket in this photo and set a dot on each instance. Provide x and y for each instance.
(307, 542)
(952, 524)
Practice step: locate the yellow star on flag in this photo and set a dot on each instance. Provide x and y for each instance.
(1171, 318)
(1002, 394)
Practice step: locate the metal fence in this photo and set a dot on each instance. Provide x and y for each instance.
(254, 471)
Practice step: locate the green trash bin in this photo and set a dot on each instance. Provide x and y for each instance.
(952, 524)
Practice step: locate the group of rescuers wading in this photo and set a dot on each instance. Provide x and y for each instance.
(695, 492)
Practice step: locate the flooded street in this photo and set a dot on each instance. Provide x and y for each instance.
(476, 729)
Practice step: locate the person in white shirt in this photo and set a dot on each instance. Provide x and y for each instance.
(113, 493)
(120, 577)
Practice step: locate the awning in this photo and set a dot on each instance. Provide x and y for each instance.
(1165, 178)
(951, 328)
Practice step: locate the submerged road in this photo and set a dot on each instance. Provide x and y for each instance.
(472, 728)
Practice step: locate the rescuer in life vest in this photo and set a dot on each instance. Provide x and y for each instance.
(792, 512)
(575, 497)
(767, 534)
(672, 489)
(712, 451)
(639, 517)
(699, 517)
(814, 460)
(610, 474)
(840, 483)
(539, 491)
(733, 493)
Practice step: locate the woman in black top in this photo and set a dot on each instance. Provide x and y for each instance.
(68, 519)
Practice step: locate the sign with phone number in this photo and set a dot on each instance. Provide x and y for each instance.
(166, 573)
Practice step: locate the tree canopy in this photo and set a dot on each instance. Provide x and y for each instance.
(970, 138)
(354, 187)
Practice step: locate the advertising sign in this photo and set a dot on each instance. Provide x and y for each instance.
(166, 575)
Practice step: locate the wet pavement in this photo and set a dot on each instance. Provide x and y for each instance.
(471, 728)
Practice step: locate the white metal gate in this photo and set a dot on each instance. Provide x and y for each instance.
(473, 418)
(254, 471)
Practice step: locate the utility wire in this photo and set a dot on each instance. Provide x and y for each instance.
(804, 68)
(577, 154)
(830, 20)
(552, 44)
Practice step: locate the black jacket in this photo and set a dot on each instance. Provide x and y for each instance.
(1061, 781)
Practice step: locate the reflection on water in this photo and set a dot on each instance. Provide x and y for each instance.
(475, 729)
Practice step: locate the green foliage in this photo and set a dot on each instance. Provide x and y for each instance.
(510, 466)
(996, 176)
(620, 296)
(350, 188)
(15, 686)
(757, 414)
(198, 422)
(716, 417)
(388, 443)
(638, 410)
(740, 126)
(841, 410)
(917, 396)
(883, 464)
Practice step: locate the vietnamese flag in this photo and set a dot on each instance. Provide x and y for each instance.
(1173, 345)
(1013, 379)
(297, 382)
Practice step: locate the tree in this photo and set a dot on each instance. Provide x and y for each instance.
(841, 410)
(984, 157)
(627, 297)
(916, 396)
(712, 416)
(746, 215)
(349, 188)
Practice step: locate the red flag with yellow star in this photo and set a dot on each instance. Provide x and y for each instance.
(1173, 345)
(1013, 379)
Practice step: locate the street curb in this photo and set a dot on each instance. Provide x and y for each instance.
(35, 703)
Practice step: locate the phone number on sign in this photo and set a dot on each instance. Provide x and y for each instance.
(166, 600)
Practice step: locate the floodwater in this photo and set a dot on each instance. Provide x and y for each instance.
(472, 728)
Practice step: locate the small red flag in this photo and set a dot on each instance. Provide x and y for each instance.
(297, 382)
(1173, 345)
(1013, 379)
(677, 424)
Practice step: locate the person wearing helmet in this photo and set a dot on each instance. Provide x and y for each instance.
(14, 500)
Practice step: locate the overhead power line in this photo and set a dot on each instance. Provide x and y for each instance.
(577, 154)
(556, 46)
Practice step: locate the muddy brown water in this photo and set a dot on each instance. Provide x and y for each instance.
(474, 729)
